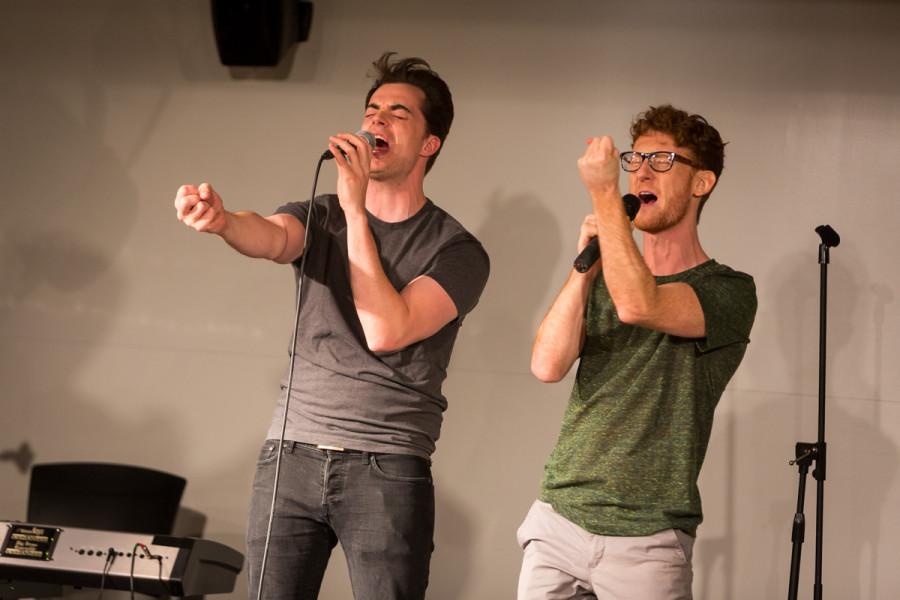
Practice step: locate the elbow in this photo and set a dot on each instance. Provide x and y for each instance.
(629, 317)
(381, 343)
(547, 376)
(631, 313)
(281, 259)
(547, 371)
(637, 308)
(379, 348)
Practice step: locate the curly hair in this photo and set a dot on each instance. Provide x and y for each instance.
(689, 131)
(438, 104)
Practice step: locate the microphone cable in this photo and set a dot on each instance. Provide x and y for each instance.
(307, 235)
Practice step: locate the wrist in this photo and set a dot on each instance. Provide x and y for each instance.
(227, 224)
(583, 281)
(606, 192)
(355, 214)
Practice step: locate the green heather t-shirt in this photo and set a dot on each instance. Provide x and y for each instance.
(636, 429)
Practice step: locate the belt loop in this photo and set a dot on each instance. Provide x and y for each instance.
(288, 447)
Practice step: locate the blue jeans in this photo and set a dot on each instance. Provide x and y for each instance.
(380, 507)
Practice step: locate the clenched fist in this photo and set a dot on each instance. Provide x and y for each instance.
(599, 165)
(200, 208)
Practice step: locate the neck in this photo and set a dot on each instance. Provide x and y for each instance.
(674, 250)
(395, 201)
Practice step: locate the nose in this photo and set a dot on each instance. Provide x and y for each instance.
(380, 116)
(644, 171)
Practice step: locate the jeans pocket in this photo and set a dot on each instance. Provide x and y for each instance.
(268, 453)
(676, 541)
(402, 467)
(686, 543)
(527, 530)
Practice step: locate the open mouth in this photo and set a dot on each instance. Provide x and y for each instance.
(381, 144)
(647, 197)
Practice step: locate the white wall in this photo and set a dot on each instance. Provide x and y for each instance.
(128, 338)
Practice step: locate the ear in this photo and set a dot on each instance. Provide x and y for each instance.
(704, 182)
(431, 146)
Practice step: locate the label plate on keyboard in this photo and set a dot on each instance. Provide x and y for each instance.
(29, 541)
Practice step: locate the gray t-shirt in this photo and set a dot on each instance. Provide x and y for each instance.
(345, 395)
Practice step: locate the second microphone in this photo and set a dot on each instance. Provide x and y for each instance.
(591, 252)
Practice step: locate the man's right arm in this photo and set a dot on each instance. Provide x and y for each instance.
(561, 335)
(279, 237)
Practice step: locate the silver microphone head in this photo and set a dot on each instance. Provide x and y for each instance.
(370, 139)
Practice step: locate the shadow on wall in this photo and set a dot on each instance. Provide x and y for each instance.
(855, 320)
(451, 565)
(713, 553)
(73, 208)
(488, 448)
(21, 457)
(523, 243)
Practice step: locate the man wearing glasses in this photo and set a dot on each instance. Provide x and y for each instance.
(659, 333)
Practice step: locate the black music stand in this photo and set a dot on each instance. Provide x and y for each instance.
(104, 496)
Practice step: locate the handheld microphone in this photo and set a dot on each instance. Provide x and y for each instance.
(370, 139)
(591, 252)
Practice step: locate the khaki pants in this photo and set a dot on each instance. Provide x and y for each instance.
(563, 561)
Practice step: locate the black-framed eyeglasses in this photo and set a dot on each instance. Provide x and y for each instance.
(659, 161)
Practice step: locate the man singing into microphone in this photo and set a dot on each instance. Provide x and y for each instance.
(658, 336)
(389, 279)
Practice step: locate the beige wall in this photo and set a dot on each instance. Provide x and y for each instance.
(128, 338)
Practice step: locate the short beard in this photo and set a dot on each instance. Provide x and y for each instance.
(668, 219)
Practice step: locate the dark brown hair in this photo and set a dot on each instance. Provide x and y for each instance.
(688, 131)
(438, 104)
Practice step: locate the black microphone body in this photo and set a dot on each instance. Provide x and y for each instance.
(370, 139)
(591, 252)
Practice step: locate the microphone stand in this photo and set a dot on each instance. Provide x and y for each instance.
(808, 453)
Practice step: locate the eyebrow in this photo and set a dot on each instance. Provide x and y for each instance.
(392, 107)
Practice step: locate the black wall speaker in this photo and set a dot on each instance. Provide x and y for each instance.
(258, 33)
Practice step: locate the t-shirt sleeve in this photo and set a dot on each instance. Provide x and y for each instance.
(462, 269)
(728, 300)
(295, 209)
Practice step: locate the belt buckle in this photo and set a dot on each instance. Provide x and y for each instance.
(327, 447)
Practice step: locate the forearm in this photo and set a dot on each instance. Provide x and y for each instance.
(631, 285)
(383, 312)
(561, 335)
(255, 236)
